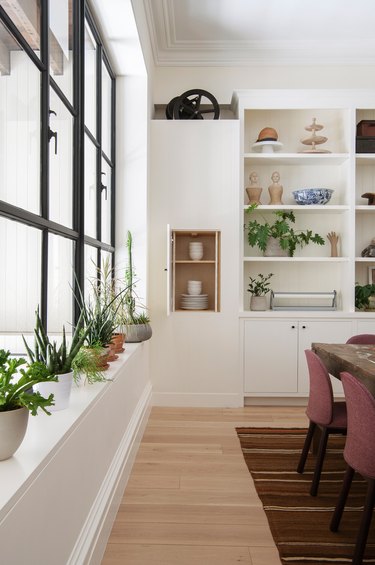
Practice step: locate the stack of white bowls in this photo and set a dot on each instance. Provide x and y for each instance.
(195, 250)
(194, 287)
(194, 300)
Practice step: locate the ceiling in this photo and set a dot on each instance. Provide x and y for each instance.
(238, 32)
(261, 32)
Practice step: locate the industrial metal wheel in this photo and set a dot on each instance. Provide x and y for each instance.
(195, 104)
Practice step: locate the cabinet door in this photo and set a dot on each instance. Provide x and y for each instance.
(270, 356)
(321, 331)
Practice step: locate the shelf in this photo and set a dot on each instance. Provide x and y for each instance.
(361, 208)
(201, 262)
(365, 159)
(311, 208)
(255, 259)
(365, 259)
(305, 159)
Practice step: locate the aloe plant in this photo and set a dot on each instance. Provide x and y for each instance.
(16, 384)
(58, 360)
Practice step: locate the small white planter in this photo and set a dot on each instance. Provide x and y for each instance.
(258, 303)
(13, 425)
(60, 389)
(135, 333)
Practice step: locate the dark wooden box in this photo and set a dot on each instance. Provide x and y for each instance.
(366, 128)
(365, 145)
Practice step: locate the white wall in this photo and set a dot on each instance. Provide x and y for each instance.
(222, 81)
(194, 185)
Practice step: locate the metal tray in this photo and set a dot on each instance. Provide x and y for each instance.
(304, 300)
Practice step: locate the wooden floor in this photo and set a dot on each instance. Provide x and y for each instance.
(190, 499)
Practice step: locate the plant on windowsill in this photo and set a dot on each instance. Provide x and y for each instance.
(132, 316)
(58, 359)
(362, 296)
(281, 232)
(18, 399)
(259, 287)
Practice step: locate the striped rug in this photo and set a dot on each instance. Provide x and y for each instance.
(299, 522)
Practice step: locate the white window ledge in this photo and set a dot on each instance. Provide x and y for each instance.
(46, 434)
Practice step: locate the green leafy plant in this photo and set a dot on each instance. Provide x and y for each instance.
(86, 365)
(129, 312)
(259, 286)
(58, 360)
(362, 295)
(282, 230)
(16, 384)
(100, 312)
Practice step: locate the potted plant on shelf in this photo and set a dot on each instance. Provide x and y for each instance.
(259, 287)
(132, 316)
(279, 238)
(57, 359)
(18, 399)
(362, 296)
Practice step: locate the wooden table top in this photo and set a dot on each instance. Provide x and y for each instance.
(359, 360)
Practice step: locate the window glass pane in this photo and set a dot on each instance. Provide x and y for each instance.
(60, 160)
(20, 276)
(60, 283)
(106, 202)
(19, 129)
(91, 270)
(90, 188)
(90, 81)
(25, 15)
(61, 45)
(106, 111)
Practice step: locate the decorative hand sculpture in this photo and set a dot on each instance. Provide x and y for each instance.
(333, 239)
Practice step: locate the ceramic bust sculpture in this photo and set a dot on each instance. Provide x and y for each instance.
(254, 190)
(275, 189)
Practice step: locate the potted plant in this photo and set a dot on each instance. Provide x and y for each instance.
(259, 287)
(132, 316)
(362, 296)
(18, 399)
(280, 232)
(57, 359)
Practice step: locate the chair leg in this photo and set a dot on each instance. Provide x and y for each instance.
(337, 514)
(365, 523)
(306, 447)
(319, 462)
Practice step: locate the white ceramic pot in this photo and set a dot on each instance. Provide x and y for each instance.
(134, 333)
(258, 303)
(60, 389)
(13, 425)
(274, 249)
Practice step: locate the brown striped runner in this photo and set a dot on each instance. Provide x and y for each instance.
(299, 522)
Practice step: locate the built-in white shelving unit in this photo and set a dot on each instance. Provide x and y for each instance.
(312, 269)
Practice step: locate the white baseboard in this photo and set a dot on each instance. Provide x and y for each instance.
(198, 400)
(91, 543)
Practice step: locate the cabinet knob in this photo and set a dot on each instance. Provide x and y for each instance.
(303, 327)
(293, 327)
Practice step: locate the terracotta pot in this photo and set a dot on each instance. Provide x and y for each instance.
(118, 341)
(112, 352)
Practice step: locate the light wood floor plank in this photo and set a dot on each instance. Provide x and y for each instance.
(190, 498)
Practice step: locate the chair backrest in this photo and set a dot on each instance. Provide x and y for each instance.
(319, 408)
(359, 449)
(362, 338)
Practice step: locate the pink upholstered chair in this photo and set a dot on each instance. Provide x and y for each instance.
(323, 412)
(362, 339)
(359, 454)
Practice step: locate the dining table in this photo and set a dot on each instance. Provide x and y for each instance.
(357, 359)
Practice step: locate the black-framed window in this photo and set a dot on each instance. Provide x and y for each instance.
(57, 161)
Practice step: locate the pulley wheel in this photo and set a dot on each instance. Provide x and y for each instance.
(195, 104)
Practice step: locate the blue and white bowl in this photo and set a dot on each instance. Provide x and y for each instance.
(307, 196)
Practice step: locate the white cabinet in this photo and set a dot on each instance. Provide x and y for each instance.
(274, 358)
